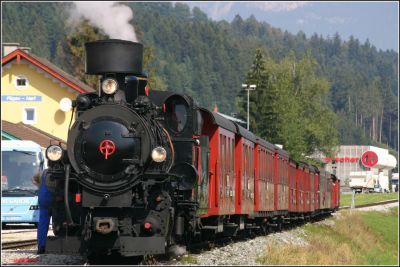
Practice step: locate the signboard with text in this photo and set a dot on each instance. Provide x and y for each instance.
(21, 98)
(344, 159)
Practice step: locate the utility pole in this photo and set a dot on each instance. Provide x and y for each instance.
(248, 88)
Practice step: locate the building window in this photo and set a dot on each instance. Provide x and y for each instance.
(29, 115)
(21, 82)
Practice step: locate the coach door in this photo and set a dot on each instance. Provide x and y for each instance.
(226, 172)
(247, 177)
(203, 182)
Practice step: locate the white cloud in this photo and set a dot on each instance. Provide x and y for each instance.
(314, 16)
(220, 9)
(337, 20)
(300, 21)
(278, 6)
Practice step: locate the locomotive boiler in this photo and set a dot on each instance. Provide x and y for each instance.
(144, 170)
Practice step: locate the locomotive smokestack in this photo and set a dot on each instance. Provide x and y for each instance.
(120, 60)
(114, 56)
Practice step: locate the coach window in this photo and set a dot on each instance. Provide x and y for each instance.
(286, 172)
(248, 167)
(227, 165)
(221, 155)
(264, 165)
(267, 163)
(224, 167)
(273, 176)
(252, 163)
(232, 154)
(260, 165)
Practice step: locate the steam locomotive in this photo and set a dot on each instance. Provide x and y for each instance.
(144, 170)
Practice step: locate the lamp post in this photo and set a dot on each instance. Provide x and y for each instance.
(248, 88)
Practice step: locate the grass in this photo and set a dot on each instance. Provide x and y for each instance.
(387, 229)
(361, 199)
(355, 238)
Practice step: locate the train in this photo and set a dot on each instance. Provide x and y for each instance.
(20, 161)
(145, 171)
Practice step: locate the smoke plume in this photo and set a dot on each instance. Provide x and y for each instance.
(111, 17)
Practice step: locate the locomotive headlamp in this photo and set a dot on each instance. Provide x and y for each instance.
(109, 86)
(54, 152)
(159, 154)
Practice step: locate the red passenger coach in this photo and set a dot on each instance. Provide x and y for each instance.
(316, 191)
(307, 204)
(264, 188)
(300, 186)
(325, 187)
(221, 191)
(335, 192)
(281, 179)
(292, 187)
(245, 171)
(314, 188)
(246, 182)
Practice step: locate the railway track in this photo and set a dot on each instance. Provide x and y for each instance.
(196, 247)
(7, 232)
(371, 204)
(18, 244)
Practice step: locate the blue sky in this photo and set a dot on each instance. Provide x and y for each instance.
(377, 21)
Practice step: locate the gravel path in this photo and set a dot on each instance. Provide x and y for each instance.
(383, 208)
(29, 257)
(247, 252)
(243, 252)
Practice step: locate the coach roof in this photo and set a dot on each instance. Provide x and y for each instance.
(265, 144)
(245, 133)
(282, 152)
(219, 120)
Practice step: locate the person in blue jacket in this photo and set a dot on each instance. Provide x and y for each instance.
(45, 199)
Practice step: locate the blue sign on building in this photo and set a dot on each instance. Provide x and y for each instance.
(21, 98)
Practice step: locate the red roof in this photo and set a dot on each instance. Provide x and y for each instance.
(48, 67)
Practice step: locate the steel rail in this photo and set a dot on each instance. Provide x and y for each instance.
(4, 232)
(18, 244)
(371, 204)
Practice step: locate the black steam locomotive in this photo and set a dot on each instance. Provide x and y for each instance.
(145, 171)
(124, 182)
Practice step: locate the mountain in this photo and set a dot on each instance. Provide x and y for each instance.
(210, 60)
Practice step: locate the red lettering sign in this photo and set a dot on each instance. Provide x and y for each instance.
(345, 159)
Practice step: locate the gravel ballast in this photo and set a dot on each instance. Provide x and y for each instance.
(237, 253)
